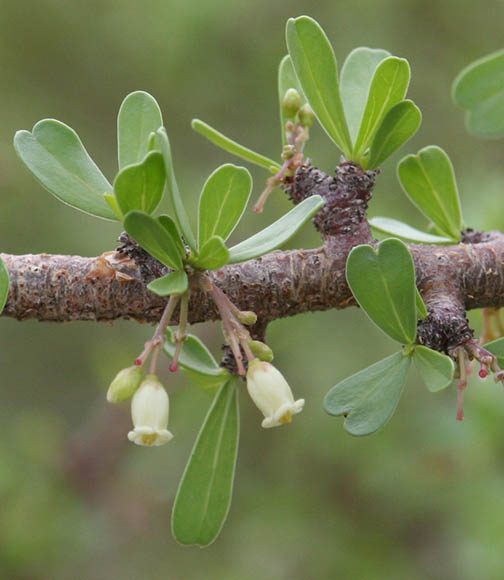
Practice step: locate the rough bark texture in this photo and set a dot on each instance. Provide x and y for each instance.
(451, 279)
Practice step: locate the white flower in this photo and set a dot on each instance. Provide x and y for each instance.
(149, 411)
(271, 393)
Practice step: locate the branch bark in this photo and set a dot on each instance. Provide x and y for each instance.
(451, 279)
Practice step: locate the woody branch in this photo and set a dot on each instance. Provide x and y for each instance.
(451, 279)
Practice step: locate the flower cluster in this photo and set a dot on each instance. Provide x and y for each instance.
(150, 404)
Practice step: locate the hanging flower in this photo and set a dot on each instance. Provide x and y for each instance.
(271, 393)
(149, 411)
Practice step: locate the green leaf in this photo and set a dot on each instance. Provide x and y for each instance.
(388, 87)
(287, 79)
(213, 255)
(316, 68)
(479, 89)
(222, 202)
(277, 233)
(406, 232)
(4, 284)
(496, 347)
(181, 218)
(429, 180)
(198, 365)
(208, 384)
(204, 495)
(154, 238)
(383, 283)
(437, 369)
(173, 283)
(194, 356)
(171, 228)
(140, 186)
(110, 198)
(399, 125)
(356, 76)
(420, 305)
(370, 397)
(139, 116)
(233, 147)
(56, 157)
(197, 362)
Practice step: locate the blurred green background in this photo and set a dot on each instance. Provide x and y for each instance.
(421, 499)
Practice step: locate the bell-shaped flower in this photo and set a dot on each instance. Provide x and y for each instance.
(271, 393)
(149, 411)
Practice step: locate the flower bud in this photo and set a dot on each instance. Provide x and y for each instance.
(261, 350)
(125, 384)
(247, 317)
(271, 393)
(291, 103)
(149, 411)
(306, 115)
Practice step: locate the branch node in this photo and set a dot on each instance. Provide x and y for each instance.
(346, 195)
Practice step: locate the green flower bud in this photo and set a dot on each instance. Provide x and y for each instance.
(262, 351)
(247, 317)
(291, 103)
(125, 384)
(306, 115)
(288, 152)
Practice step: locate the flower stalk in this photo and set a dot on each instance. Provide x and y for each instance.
(235, 333)
(292, 155)
(181, 333)
(156, 342)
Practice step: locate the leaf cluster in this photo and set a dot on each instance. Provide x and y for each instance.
(383, 283)
(55, 155)
(364, 113)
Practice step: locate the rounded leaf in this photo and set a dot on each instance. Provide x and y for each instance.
(428, 179)
(383, 283)
(57, 158)
(437, 369)
(204, 494)
(139, 116)
(316, 68)
(479, 89)
(369, 398)
(222, 202)
(140, 186)
(356, 76)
